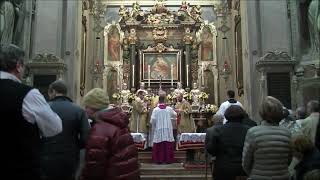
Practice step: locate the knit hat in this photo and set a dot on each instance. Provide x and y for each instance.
(96, 98)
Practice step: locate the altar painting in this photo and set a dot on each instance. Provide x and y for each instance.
(113, 44)
(165, 66)
(206, 45)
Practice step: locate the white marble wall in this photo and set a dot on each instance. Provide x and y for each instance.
(58, 31)
(265, 27)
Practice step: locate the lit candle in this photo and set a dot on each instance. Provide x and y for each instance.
(202, 74)
(149, 75)
(132, 75)
(187, 75)
(171, 75)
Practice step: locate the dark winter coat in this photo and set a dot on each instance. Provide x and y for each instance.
(60, 153)
(110, 151)
(309, 162)
(226, 144)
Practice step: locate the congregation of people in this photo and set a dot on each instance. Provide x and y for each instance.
(43, 140)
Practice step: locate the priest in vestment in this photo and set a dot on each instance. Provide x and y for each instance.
(139, 119)
(184, 122)
(163, 140)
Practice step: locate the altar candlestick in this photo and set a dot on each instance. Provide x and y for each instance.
(187, 75)
(132, 75)
(202, 74)
(171, 75)
(149, 75)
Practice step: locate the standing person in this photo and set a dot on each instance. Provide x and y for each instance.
(300, 115)
(110, 151)
(310, 124)
(163, 141)
(289, 122)
(139, 119)
(183, 109)
(60, 154)
(231, 101)
(26, 116)
(267, 148)
(248, 121)
(226, 144)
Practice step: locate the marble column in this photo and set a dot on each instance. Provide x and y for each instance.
(133, 61)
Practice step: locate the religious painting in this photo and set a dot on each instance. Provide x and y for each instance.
(113, 47)
(112, 80)
(207, 45)
(163, 66)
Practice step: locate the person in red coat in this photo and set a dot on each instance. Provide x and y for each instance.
(110, 151)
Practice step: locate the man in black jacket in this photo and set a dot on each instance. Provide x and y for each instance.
(226, 143)
(60, 154)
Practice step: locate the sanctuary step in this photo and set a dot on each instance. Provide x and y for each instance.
(146, 156)
(174, 171)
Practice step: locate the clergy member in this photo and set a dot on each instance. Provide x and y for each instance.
(183, 108)
(139, 121)
(163, 141)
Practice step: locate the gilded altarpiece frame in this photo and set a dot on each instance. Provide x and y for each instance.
(208, 75)
(160, 63)
(113, 61)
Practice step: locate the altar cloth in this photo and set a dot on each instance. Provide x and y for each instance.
(190, 141)
(140, 140)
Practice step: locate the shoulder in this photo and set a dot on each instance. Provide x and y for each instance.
(103, 129)
(226, 103)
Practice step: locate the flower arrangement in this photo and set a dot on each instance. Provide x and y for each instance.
(148, 98)
(170, 97)
(211, 108)
(203, 96)
(116, 96)
(132, 97)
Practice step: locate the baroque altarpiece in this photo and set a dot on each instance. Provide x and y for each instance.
(160, 46)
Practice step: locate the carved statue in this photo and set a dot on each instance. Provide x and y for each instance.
(160, 34)
(126, 50)
(188, 38)
(7, 21)
(142, 88)
(159, 8)
(179, 89)
(132, 36)
(11, 21)
(314, 27)
(123, 13)
(196, 13)
(195, 93)
(125, 93)
(136, 10)
(184, 6)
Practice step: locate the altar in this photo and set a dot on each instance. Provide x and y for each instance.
(162, 49)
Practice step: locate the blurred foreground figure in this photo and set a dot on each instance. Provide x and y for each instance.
(26, 117)
(110, 151)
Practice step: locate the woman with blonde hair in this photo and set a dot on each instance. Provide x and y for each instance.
(267, 149)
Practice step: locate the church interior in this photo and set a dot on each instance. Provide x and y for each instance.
(199, 48)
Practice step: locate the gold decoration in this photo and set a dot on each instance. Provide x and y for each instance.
(132, 36)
